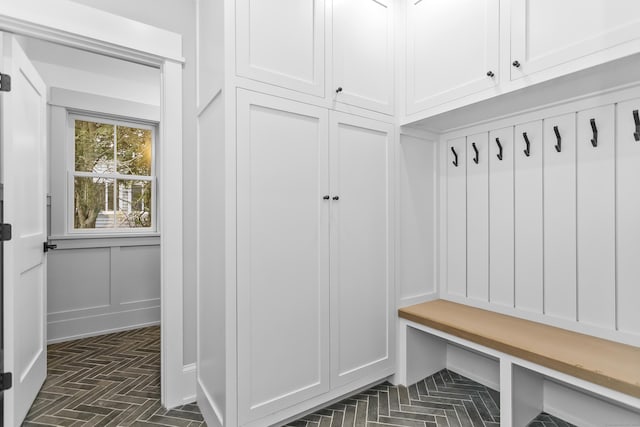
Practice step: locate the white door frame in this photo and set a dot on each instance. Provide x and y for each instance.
(75, 25)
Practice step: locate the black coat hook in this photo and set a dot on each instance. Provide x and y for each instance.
(476, 157)
(636, 119)
(500, 148)
(558, 138)
(527, 151)
(594, 129)
(455, 161)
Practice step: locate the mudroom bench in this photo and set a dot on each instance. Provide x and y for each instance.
(585, 380)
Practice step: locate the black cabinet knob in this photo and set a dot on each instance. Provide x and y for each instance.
(490, 73)
(336, 198)
(325, 198)
(516, 64)
(339, 89)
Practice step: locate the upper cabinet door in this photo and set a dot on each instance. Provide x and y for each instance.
(452, 50)
(363, 53)
(547, 33)
(281, 42)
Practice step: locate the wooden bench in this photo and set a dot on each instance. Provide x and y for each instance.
(599, 366)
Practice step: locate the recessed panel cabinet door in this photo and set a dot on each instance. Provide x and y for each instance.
(451, 46)
(546, 33)
(282, 42)
(361, 255)
(363, 53)
(283, 250)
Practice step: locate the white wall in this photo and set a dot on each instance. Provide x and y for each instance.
(178, 17)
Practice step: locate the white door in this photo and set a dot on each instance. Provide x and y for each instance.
(548, 33)
(452, 50)
(361, 252)
(281, 42)
(23, 131)
(283, 253)
(363, 54)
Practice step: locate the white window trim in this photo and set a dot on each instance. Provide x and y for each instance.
(72, 116)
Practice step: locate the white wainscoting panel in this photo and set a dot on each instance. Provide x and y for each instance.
(457, 217)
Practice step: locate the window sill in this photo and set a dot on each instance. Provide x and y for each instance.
(123, 235)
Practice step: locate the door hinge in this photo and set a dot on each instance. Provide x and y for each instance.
(5, 232)
(6, 381)
(5, 83)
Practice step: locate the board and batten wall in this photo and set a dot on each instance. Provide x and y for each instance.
(550, 234)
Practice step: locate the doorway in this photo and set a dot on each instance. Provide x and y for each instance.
(45, 21)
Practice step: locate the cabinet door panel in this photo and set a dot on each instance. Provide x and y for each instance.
(361, 268)
(596, 219)
(282, 42)
(451, 45)
(282, 264)
(478, 217)
(628, 215)
(457, 217)
(528, 218)
(560, 285)
(546, 33)
(501, 227)
(363, 53)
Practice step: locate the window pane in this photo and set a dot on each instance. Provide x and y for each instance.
(93, 203)
(94, 147)
(134, 151)
(134, 204)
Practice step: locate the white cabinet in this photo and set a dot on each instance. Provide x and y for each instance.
(361, 251)
(548, 33)
(363, 54)
(457, 217)
(451, 47)
(282, 247)
(314, 252)
(282, 42)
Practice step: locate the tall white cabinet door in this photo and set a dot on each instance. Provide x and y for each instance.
(281, 42)
(457, 217)
(478, 217)
(501, 226)
(451, 46)
(283, 248)
(560, 284)
(628, 215)
(361, 252)
(528, 217)
(596, 218)
(363, 53)
(546, 33)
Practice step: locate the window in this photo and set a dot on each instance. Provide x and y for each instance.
(112, 183)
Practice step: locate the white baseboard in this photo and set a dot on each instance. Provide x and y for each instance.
(100, 324)
(475, 366)
(211, 413)
(417, 299)
(189, 383)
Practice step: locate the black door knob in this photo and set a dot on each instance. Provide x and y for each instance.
(336, 198)
(516, 64)
(339, 89)
(490, 73)
(325, 198)
(46, 246)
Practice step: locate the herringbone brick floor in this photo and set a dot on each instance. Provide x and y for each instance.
(109, 380)
(444, 399)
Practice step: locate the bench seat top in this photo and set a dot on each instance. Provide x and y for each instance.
(607, 363)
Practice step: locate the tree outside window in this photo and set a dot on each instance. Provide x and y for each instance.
(112, 178)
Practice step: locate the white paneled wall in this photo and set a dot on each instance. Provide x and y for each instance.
(542, 215)
(101, 286)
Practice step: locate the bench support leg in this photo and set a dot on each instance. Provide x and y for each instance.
(419, 355)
